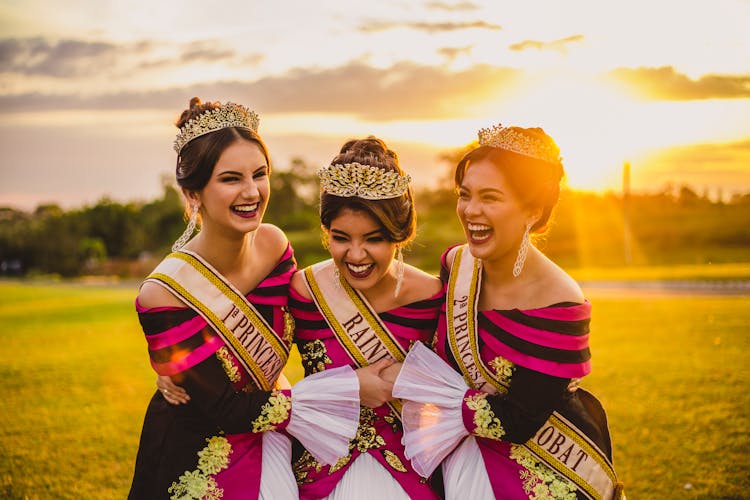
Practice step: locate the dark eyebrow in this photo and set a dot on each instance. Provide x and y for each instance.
(377, 232)
(484, 190)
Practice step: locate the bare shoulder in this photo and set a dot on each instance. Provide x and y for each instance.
(299, 285)
(558, 286)
(153, 295)
(421, 285)
(271, 240)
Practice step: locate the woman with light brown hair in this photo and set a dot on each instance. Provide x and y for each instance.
(214, 316)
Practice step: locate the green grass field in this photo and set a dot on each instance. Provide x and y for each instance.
(671, 371)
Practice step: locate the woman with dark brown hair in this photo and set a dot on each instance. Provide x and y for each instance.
(364, 308)
(214, 315)
(491, 402)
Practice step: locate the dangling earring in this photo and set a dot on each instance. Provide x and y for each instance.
(522, 251)
(336, 276)
(185, 236)
(399, 271)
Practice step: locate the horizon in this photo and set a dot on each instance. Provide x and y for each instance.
(88, 96)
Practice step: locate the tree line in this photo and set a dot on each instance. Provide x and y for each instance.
(673, 226)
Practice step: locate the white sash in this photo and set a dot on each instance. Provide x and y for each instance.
(355, 324)
(245, 332)
(558, 443)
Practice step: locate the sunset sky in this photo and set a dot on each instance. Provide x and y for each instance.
(89, 89)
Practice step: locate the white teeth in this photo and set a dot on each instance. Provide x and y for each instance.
(477, 237)
(245, 208)
(478, 227)
(358, 269)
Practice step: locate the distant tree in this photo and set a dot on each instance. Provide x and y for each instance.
(294, 194)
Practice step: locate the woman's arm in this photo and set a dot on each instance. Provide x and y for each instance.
(517, 415)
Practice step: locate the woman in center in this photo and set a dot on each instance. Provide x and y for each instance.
(364, 307)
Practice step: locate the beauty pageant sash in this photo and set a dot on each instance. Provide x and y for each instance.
(355, 324)
(245, 332)
(558, 443)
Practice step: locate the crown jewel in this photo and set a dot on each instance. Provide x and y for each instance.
(364, 181)
(226, 115)
(517, 142)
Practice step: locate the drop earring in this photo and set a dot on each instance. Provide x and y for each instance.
(523, 250)
(399, 271)
(185, 236)
(336, 276)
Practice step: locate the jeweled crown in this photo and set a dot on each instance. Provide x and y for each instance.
(226, 115)
(518, 142)
(364, 181)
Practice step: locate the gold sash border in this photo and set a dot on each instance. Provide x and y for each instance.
(343, 305)
(558, 443)
(261, 352)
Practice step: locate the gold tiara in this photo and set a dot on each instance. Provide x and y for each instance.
(226, 115)
(517, 142)
(363, 181)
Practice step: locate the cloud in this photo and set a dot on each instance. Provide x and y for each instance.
(665, 83)
(560, 45)
(452, 53)
(377, 26)
(69, 58)
(701, 165)
(62, 59)
(205, 51)
(404, 91)
(451, 7)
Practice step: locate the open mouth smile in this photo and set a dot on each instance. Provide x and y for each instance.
(479, 233)
(360, 271)
(246, 211)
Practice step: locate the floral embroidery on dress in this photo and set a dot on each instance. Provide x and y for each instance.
(200, 484)
(226, 362)
(367, 436)
(487, 424)
(541, 482)
(504, 369)
(392, 419)
(301, 467)
(275, 412)
(315, 357)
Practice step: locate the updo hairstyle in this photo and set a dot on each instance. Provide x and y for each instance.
(535, 182)
(397, 215)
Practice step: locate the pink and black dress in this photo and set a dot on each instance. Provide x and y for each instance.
(375, 465)
(491, 402)
(230, 440)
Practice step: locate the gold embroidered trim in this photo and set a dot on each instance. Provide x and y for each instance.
(226, 362)
(301, 467)
(504, 369)
(393, 460)
(275, 412)
(541, 482)
(339, 464)
(200, 483)
(289, 325)
(367, 437)
(315, 356)
(487, 425)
